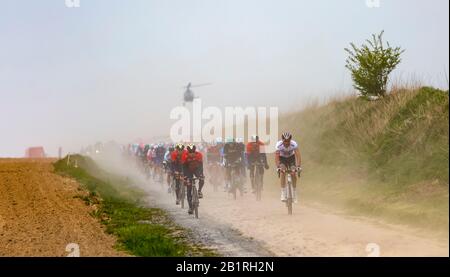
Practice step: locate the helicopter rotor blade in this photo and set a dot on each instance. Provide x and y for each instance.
(201, 85)
(196, 86)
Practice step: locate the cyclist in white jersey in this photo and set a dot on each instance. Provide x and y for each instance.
(287, 156)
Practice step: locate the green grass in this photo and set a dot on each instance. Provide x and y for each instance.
(386, 158)
(140, 230)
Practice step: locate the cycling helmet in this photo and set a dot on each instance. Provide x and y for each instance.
(254, 138)
(179, 146)
(219, 140)
(239, 140)
(286, 136)
(229, 140)
(191, 148)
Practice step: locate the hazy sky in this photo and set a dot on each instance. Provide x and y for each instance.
(113, 69)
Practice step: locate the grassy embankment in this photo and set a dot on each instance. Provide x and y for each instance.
(386, 158)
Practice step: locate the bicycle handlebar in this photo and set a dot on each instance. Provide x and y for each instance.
(297, 170)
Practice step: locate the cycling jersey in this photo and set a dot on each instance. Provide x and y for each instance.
(286, 152)
(167, 156)
(160, 151)
(176, 156)
(254, 148)
(149, 155)
(187, 157)
(254, 154)
(159, 154)
(192, 162)
(233, 152)
(213, 154)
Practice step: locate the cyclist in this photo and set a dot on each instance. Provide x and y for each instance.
(160, 150)
(213, 161)
(177, 169)
(152, 158)
(287, 157)
(146, 148)
(141, 158)
(241, 147)
(213, 154)
(167, 165)
(192, 161)
(233, 153)
(255, 155)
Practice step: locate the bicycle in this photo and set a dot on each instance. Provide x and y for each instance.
(168, 173)
(258, 179)
(173, 188)
(215, 175)
(236, 179)
(289, 186)
(171, 183)
(194, 195)
(180, 189)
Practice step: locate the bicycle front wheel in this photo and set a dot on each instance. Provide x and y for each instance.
(183, 194)
(195, 200)
(233, 185)
(258, 184)
(289, 199)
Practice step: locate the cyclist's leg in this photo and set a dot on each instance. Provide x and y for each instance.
(220, 173)
(282, 175)
(243, 170)
(261, 175)
(294, 183)
(201, 178)
(292, 168)
(186, 182)
(168, 173)
(177, 173)
(189, 193)
(213, 173)
(227, 176)
(198, 173)
(294, 178)
(283, 182)
(251, 169)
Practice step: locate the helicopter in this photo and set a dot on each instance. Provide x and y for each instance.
(189, 94)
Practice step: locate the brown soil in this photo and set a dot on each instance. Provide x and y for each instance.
(40, 214)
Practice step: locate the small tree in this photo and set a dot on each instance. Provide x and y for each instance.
(371, 65)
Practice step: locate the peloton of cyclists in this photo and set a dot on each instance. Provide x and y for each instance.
(182, 163)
